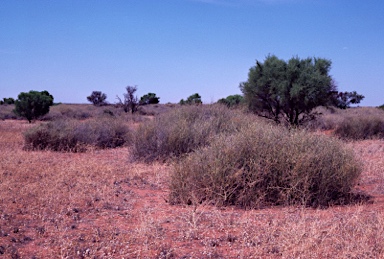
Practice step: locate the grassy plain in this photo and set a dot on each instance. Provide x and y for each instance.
(99, 204)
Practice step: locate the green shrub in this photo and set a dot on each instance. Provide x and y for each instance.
(77, 136)
(263, 165)
(183, 130)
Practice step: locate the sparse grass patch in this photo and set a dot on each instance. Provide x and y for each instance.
(183, 130)
(77, 136)
(263, 165)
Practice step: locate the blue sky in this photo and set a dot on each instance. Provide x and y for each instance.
(176, 48)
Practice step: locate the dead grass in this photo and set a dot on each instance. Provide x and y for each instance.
(351, 124)
(6, 112)
(99, 205)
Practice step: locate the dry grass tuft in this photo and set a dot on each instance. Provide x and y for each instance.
(78, 136)
(183, 130)
(6, 112)
(263, 165)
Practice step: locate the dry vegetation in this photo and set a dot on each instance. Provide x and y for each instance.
(98, 204)
(352, 124)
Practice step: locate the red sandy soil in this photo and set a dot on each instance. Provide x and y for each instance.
(98, 204)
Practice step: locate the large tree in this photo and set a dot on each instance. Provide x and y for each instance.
(289, 91)
(33, 104)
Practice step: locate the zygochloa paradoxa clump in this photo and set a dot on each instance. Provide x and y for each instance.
(352, 123)
(361, 126)
(76, 136)
(183, 130)
(263, 165)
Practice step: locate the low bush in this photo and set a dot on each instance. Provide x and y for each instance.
(88, 111)
(72, 111)
(77, 136)
(183, 130)
(154, 109)
(7, 113)
(361, 127)
(263, 165)
(351, 124)
(327, 119)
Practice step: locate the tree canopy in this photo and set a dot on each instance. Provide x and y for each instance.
(232, 100)
(343, 100)
(97, 98)
(289, 91)
(33, 104)
(192, 99)
(9, 100)
(149, 98)
(130, 102)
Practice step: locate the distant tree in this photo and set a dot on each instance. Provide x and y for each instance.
(343, 100)
(131, 101)
(33, 104)
(232, 100)
(149, 98)
(97, 98)
(8, 101)
(289, 91)
(193, 99)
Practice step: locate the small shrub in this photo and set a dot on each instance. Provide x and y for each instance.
(108, 112)
(361, 127)
(262, 165)
(155, 109)
(353, 123)
(183, 130)
(327, 119)
(77, 136)
(6, 112)
(356, 123)
(72, 111)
